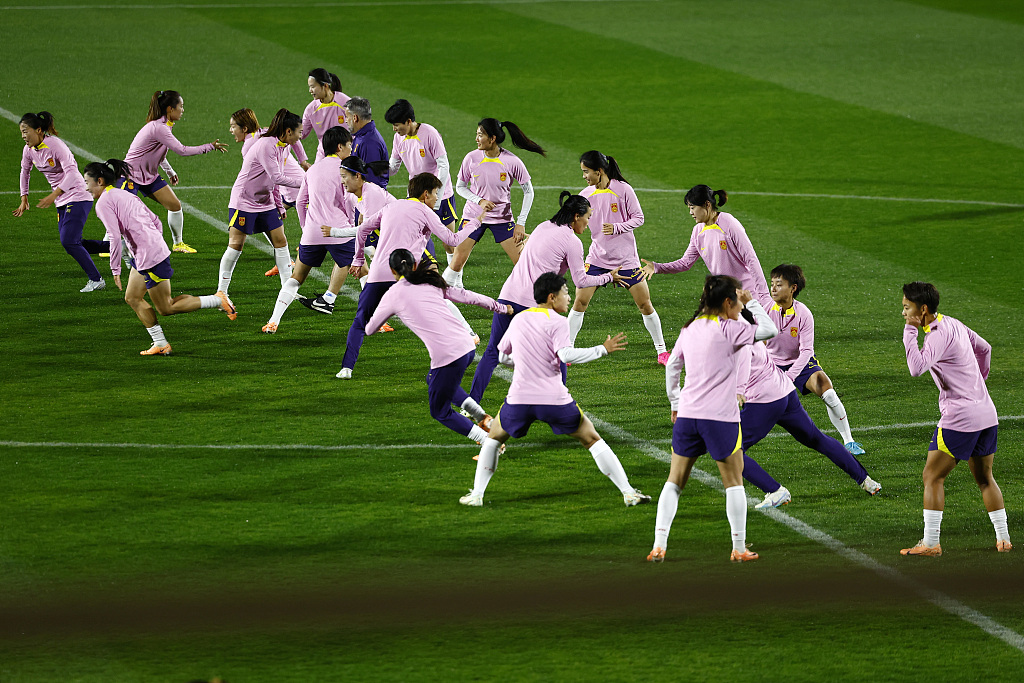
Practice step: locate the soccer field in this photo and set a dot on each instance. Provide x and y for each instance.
(234, 510)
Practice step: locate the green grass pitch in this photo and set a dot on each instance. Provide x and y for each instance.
(831, 124)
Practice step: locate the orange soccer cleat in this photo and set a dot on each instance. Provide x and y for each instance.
(656, 555)
(386, 328)
(923, 550)
(227, 306)
(157, 350)
(743, 556)
(1004, 546)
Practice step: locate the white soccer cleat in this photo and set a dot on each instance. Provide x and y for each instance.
(634, 497)
(472, 499)
(871, 486)
(344, 373)
(775, 499)
(94, 285)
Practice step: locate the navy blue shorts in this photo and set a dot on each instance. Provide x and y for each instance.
(801, 380)
(313, 254)
(372, 239)
(965, 445)
(632, 276)
(157, 274)
(501, 231)
(131, 186)
(693, 437)
(252, 222)
(445, 210)
(516, 419)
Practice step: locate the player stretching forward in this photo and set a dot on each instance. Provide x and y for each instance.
(148, 151)
(125, 216)
(616, 214)
(793, 349)
(485, 182)
(536, 344)
(51, 156)
(420, 300)
(705, 414)
(720, 240)
(959, 361)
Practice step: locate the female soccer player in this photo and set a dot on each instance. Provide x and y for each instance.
(705, 414)
(485, 182)
(320, 206)
(419, 299)
(126, 216)
(536, 345)
(326, 111)
(554, 246)
(255, 204)
(793, 352)
(148, 151)
(721, 241)
(616, 214)
(48, 153)
(958, 360)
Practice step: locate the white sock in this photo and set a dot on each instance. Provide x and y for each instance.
(575, 324)
(284, 263)
(227, 267)
(368, 252)
(998, 518)
(329, 296)
(668, 503)
(209, 301)
(473, 408)
(176, 222)
(477, 434)
(450, 257)
(284, 299)
(157, 334)
(486, 464)
(610, 466)
(653, 324)
(837, 413)
(458, 314)
(451, 276)
(932, 526)
(736, 511)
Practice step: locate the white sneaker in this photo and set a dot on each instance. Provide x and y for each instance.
(472, 499)
(94, 285)
(775, 500)
(871, 486)
(634, 497)
(344, 373)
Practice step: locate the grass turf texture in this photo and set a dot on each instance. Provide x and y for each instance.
(259, 564)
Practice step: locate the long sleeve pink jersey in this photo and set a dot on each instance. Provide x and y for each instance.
(618, 206)
(262, 170)
(551, 249)
(318, 117)
(533, 339)
(57, 164)
(794, 344)
(726, 250)
(149, 149)
(124, 215)
(491, 179)
(759, 380)
(373, 199)
(251, 139)
(958, 360)
(420, 153)
(321, 201)
(423, 310)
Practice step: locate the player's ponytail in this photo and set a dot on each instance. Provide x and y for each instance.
(717, 288)
(596, 161)
(108, 171)
(42, 121)
(402, 262)
(570, 207)
(325, 77)
(283, 120)
(699, 195)
(493, 128)
(162, 99)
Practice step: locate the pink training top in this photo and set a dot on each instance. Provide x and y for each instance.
(321, 201)
(533, 339)
(373, 199)
(251, 139)
(57, 164)
(709, 348)
(551, 248)
(403, 225)
(759, 380)
(794, 345)
(420, 153)
(959, 362)
(423, 310)
(262, 170)
(491, 179)
(124, 215)
(726, 250)
(149, 149)
(619, 206)
(319, 117)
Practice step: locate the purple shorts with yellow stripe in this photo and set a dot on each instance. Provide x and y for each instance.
(445, 210)
(631, 276)
(965, 445)
(517, 418)
(157, 274)
(501, 231)
(313, 254)
(252, 222)
(693, 437)
(129, 185)
(801, 380)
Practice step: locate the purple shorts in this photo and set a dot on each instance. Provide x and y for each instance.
(801, 380)
(501, 231)
(252, 222)
(693, 437)
(516, 419)
(965, 445)
(130, 185)
(157, 274)
(632, 276)
(445, 210)
(313, 254)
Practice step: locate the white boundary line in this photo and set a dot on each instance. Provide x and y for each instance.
(940, 600)
(308, 5)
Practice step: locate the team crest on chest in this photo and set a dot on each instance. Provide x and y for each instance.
(50, 163)
(341, 118)
(423, 153)
(504, 177)
(723, 245)
(792, 332)
(615, 207)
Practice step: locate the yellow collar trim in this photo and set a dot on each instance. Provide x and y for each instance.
(713, 226)
(928, 328)
(328, 104)
(539, 309)
(789, 311)
(282, 144)
(606, 191)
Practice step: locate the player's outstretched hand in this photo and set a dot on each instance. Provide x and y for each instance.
(617, 279)
(220, 146)
(22, 208)
(743, 296)
(648, 269)
(616, 343)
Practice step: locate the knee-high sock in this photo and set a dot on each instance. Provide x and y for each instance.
(668, 503)
(486, 464)
(176, 222)
(473, 408)
(284, 299)
(837, 413)
(227, 267)
(284, 263)
(452, 277)
(156, 333)
(575, 324)
(932, 527)
(998, 518)
(610, 466)
(653, 324)
(736, 511)
(458, 314)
